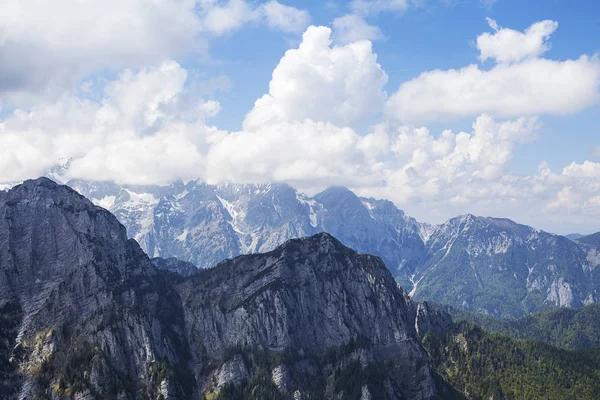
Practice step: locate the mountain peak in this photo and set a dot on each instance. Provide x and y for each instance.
(336, 191)
(43, 187)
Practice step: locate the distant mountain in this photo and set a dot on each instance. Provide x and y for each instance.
(488, 265)
(592, 240)
(85, 314)
(205, 224)
(502, 268)
(567, 328)
(574, 236)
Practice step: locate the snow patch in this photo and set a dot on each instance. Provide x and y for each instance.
(106, 202)
(183, 236)
(144, 198)
(236, 217)
(312, 207)
(370, 207)
(415, 284)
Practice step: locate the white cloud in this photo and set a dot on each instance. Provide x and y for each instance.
(340, 84)
(520, 84)
(285, 18)
(352, 27)
(373, 7)
(306, 154)
(588, 169)
(454, 166)
(531, 87)
(566, 198)
(45, 44)
(595, 152)
(220, 18)
(148, 128)
(507, 45)
(45, 47)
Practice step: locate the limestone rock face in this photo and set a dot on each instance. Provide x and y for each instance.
(85, 313)
(430, 320)
(78, 291)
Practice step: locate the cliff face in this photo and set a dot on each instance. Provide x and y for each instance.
(88, 311)
(309, 295)
(86, 314)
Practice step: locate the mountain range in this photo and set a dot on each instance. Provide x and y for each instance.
(86, 314)
(481, 264)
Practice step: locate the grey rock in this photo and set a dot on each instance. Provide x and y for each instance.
(172, 264)
(430, 320)
(85, 311)
(232, 372)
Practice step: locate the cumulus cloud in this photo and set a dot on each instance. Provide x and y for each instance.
(575, 192)
(454, 166)
(338, 84)
(220, 18)
(520, 84)
(285, 18)
(532, 87)
(148, 128)
(588, 169)
(42, 53)
(306, 154)
(152, 125)
(352, 27)
(508, 45)
(44, 56)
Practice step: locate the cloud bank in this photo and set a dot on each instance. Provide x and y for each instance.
(152, 125)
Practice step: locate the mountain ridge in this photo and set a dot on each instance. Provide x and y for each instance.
(469, 261)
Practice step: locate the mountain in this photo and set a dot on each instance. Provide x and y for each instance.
(502, 268)
(85, 314)
(205, 224)
(592, 240)
(567, 328)
(574, 236)
(481, 264)
(175, 265)
(84, 311)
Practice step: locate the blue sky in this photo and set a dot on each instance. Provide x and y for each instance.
(188, 89)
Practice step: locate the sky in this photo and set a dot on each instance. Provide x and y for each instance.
(445, 107)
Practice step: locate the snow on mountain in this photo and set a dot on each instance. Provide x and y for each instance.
(491, 265)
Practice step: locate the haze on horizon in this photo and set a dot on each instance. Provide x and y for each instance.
(444, 107)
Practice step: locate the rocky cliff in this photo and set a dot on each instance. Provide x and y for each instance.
(85, 314)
